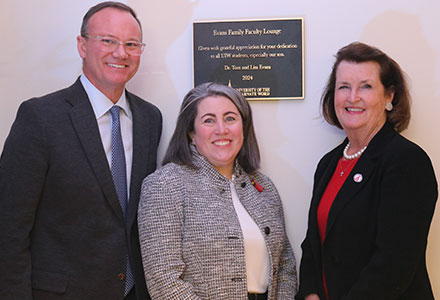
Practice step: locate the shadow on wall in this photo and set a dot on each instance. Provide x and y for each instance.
(162, 24)
(278, 161)
(401, 37)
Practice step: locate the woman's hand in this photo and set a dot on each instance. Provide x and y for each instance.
(312, 297)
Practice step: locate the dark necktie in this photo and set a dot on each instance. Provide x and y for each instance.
(119, 174)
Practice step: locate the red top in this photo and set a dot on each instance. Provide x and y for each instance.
(341, 173)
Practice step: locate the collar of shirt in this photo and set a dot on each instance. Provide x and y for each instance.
(100, 103)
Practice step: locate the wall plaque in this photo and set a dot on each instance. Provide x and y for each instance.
(263, 59)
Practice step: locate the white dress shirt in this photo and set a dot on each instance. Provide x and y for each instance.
(101, 106)
(255, 251)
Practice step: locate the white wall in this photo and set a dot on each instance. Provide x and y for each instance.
(38, 55)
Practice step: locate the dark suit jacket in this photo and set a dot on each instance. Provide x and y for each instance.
(62, 233)
(377, 229)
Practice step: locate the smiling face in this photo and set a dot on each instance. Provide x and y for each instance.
(218, 132)
(110, 71)
(360, 98)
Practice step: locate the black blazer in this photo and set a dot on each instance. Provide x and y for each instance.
(62, 233)
(377, 229)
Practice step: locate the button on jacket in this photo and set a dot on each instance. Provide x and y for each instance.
(62, 232)
(190, 235)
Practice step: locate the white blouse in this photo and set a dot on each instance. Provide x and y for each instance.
(255, 251)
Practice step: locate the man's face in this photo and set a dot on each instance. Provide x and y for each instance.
(109, 71)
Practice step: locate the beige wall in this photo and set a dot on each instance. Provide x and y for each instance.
(38, 55)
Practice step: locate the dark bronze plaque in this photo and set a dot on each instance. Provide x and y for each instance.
(262, 59)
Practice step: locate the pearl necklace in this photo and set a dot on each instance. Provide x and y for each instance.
(353, 156)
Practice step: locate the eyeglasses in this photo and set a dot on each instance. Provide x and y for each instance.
(110, 44)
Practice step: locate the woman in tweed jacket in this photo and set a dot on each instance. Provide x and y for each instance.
(212, 226)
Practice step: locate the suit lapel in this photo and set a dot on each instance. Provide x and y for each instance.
(141, 150)
(86, 127)
(364, 167)
(350, 188)
(321, 185)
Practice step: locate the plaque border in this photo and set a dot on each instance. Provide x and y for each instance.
(302, 97)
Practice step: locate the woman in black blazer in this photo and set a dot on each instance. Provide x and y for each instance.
(374, 195)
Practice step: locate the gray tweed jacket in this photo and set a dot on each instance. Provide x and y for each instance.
(191, 240)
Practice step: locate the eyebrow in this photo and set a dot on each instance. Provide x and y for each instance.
(213, 115)
(115, 37)
(362, 81)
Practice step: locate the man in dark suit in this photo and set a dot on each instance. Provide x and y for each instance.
(68, 224)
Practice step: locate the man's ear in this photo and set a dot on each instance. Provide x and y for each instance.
(81, 45)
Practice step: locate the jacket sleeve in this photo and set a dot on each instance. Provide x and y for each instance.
(23, 165)
(160, 220)
(408, 194)
(310, 279)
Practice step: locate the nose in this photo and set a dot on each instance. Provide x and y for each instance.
(221, 127)
(354, 95)
(120, 52)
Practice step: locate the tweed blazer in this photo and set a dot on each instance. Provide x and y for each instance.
(190, 235)
(377, 228)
